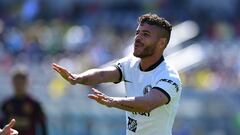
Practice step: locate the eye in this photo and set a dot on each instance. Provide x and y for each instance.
(137, 32)
(145, 34)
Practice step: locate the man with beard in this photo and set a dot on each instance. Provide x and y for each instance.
(153, 87)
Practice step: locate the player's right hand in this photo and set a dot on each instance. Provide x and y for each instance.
(7, 130)
(65, 74)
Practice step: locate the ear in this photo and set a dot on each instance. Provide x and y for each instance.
(162, 43)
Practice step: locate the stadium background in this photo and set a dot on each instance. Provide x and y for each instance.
(81, 34)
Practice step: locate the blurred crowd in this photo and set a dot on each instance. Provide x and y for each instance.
(91, 33)
(81, 34)
(219, 71)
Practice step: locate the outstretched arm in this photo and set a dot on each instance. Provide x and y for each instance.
(89, 77)
(7, 130)
(146, 103)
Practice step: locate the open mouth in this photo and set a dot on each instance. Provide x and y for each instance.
(138, 44)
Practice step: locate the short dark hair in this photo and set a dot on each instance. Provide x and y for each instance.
(19, 75)
(19, 72)
(154, 19)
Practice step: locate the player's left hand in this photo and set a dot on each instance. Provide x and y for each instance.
(101, 97)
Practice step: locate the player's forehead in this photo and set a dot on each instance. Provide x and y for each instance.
(147, 27)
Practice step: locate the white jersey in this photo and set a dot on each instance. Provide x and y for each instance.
(137, 83)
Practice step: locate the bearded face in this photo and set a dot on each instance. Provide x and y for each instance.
(146, 40)
(142, 50)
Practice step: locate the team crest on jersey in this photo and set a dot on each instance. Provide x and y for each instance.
(132, 124)
(146, 89)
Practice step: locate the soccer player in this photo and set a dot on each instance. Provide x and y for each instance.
(153, 87)
(7, 130)
(21, 106)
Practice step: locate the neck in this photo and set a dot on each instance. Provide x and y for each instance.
(20, 95)
(145, 63)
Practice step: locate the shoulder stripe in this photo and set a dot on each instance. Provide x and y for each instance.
(164, 92)
(120, 72)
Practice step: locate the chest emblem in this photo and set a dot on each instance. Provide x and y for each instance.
(146, 89)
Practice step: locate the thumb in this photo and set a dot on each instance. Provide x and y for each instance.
(72, 80)
(11, 123)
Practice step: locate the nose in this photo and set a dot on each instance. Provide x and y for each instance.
(138, 38)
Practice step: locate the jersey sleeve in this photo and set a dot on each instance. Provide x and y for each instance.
(121, 65)
(168, 86)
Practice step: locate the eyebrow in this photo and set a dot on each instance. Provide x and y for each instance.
(144, 31)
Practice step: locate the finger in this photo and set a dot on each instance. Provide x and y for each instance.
(96, 91)
(65, 72)
(11, 123)
(56, 65)
(14, 132)
(61, 71)
(56, 69)
(92, 96)
(96, 98)
(101, 96)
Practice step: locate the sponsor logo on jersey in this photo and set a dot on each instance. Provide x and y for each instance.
(141, 113)
(170, 82)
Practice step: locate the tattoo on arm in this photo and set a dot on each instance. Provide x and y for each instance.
(129, 107)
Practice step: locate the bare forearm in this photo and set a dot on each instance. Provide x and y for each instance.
(143, 104)
(132, 104)
(96, 76)
(90, 77)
